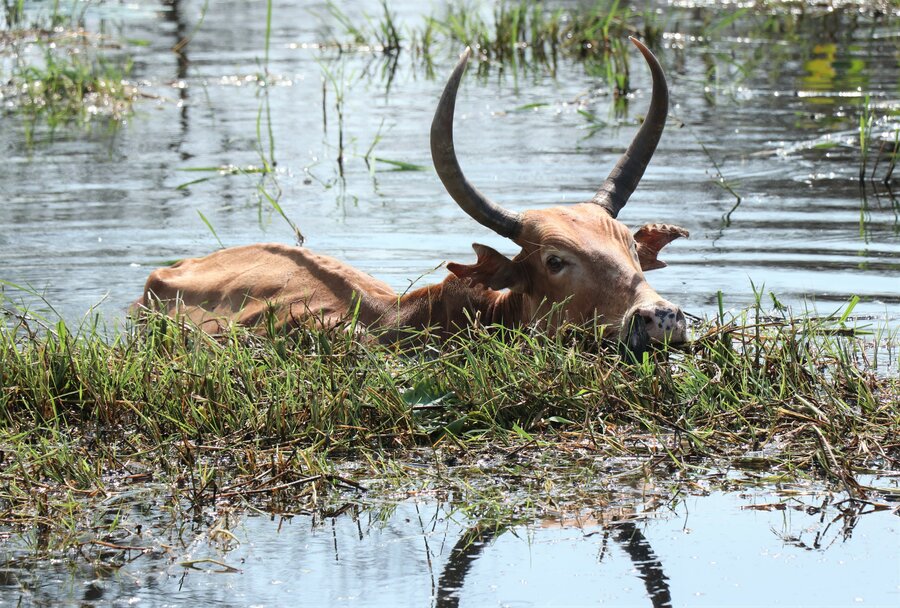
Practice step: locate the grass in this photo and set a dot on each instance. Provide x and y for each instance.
(300, 423)
(726, 185)
(381, 33)
(268, 189)
(517, 32)
(306, 422)
(67, 86)
(21, 22)
(887, 140)
(866, 124)
(528, 32)
(61, 74)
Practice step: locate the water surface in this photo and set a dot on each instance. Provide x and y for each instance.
(87, 216)
(753, 548)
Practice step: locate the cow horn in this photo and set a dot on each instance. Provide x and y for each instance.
(624, 177)
(473, 202)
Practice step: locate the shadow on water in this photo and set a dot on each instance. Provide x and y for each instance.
(648, 566)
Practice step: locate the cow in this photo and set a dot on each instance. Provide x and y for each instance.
(577, 261)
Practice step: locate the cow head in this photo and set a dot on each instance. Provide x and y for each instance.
(580, 256)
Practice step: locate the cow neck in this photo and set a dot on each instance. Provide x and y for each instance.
(453, 304)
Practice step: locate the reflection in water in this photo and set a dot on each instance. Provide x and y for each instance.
(648, 565)
(175, 15)
(831, 69)
(473, 542)
(809, 547)
(464, 553)
(849, 513)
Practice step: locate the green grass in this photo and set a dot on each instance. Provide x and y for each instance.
(381, 34)
(301, 422)
(295, 423)
(537, 35)
(517, 32)
(59, 73)
(67, 86)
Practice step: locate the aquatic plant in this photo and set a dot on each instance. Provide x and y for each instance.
(277, 420)
(25, 22)
(13, 12)
(67, 86)
(866, 123)
(378, 33)
(888, 148)
(60, 73)
(519, 32)
(892, 160)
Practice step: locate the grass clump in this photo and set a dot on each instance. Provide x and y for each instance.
(158, 427)
(381, 34)
(67, 86)
(517, 32)
(60, 73)
(241, 418)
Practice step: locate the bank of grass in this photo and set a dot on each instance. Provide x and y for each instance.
(306, 422)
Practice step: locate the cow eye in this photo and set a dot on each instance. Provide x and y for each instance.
(554, 264)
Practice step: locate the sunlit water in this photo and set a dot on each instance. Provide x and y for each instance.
(86, 217)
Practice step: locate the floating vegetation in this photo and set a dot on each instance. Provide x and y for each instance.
(287, 422)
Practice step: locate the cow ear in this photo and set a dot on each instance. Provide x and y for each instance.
(493, 270)
(650, 238)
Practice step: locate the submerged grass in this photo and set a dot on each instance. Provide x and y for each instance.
(304, 422)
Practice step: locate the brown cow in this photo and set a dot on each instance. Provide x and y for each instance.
(578, 258)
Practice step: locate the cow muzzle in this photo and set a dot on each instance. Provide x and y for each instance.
(660, 322)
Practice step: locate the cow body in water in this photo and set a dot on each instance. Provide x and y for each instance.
(579, 258)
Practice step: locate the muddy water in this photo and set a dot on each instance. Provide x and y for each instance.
(87, 216)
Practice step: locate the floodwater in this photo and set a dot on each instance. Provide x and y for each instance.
(85, 216)
(754, 548)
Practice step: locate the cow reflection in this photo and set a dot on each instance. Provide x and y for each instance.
(476, 539)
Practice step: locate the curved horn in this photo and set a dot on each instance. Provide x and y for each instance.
(624, 177)
(482, 209)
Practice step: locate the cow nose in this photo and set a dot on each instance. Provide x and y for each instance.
(664, 322)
